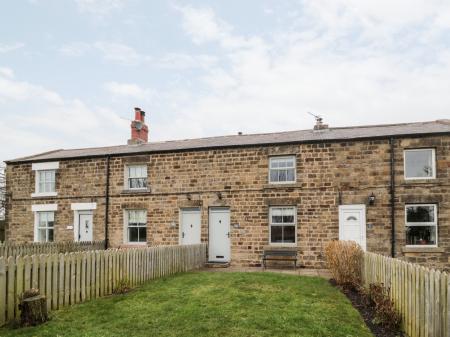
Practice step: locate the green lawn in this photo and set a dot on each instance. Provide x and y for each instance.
(212, 304)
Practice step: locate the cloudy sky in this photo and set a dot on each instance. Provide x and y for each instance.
(71, 71)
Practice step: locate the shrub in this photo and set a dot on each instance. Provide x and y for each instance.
(385, 313)
(122, 287)
(344, 260)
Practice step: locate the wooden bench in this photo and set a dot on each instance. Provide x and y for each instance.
(274, 254)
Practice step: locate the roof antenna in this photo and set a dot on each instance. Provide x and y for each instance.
(318, 118)
(319, 122)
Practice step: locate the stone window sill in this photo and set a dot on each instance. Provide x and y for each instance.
(421, 181)
(44, 195)
(287, 185)
(423, 250)
(137, 191)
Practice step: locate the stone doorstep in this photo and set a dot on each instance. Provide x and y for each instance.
(217, 264)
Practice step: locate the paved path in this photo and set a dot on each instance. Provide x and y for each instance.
(299, 271)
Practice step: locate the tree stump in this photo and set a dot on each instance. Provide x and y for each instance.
(33, 310)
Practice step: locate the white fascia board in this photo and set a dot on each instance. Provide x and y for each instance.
(44, 207)
(53, 165)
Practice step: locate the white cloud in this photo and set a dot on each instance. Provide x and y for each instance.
(123, 54)
(100, 7)
(120, 53)
(12, 90)
(6, 48)
(352, 62)
(129, 90)
(75, 49)
(202, 24)
(184, 61)
(36, 119)
(6, 72)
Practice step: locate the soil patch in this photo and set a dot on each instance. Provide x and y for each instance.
(367, 312)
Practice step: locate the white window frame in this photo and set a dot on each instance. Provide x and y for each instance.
(37, 209)
(272, 158)
(125, 227)
(422, 224)
(287, 244)
(39, 167)
(433, 162)
(126, 177)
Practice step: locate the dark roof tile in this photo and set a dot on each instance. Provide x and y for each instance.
(341, 133)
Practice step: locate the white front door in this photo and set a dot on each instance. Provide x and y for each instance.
(84, 226)
(352, 224)
(219, 234)
(190, 226)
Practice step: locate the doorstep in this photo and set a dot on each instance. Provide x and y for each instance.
(212, 264)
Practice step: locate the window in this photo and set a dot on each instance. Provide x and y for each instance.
(45, 224)
(421, 224)
(45, 179)
(136, 226)
(283, 225)
(137, 177)
(282, 170)
(420, 164)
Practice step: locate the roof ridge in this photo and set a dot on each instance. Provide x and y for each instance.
(346, 132)
(35, 155)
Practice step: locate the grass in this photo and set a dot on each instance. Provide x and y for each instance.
(212, 304)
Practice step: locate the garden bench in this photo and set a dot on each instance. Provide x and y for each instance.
(274, 254)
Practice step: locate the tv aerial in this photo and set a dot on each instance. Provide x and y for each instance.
(319, 119)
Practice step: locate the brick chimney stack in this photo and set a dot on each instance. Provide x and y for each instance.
(319, 124)
(139, 130)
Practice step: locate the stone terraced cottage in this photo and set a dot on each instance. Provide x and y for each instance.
(385, 186)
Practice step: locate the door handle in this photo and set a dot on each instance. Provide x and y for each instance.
(182, 235)
(228, 234)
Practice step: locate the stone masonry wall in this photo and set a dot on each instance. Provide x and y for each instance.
(328, 174)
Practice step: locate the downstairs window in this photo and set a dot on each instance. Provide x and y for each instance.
(421, 224)
(283, 225)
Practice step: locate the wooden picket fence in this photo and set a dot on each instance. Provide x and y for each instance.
(12, 249)
(421, 295)
(71, 278)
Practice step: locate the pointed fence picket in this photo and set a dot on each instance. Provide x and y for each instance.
(421, 295)
(76, 277)
(36, 248)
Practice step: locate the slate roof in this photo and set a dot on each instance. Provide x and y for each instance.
(302, 136)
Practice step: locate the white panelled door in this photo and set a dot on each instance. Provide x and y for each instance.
(84, 227)
(352, 224)
(190, 226)
(219, 235)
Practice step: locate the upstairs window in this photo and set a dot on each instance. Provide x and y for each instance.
(282, 170)
(421, 224)
(45, 224)
(283, 225)
(136, 177)
(45, 173)
(46, 181)
(136, 226)
(420, 164)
